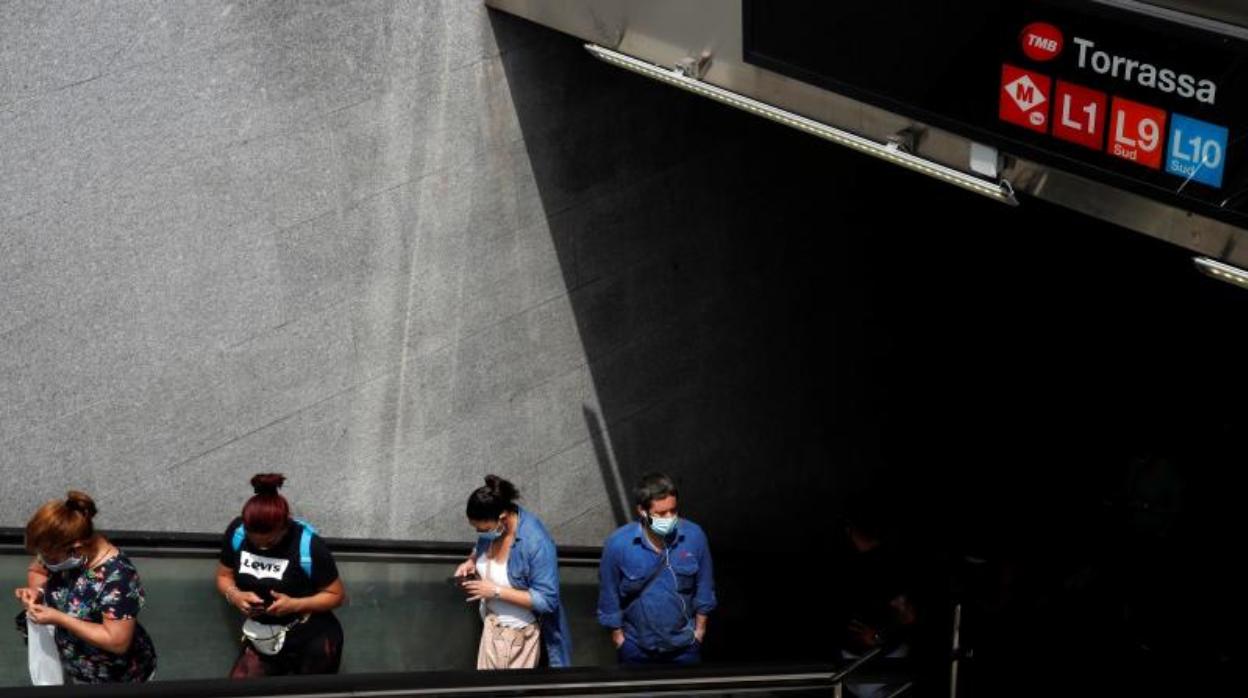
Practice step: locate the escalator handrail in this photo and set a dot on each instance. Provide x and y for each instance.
(574, 681)
(165, 544)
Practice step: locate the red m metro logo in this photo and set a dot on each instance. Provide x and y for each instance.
(1025, 98)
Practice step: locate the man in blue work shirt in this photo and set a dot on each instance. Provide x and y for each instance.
(656, 585)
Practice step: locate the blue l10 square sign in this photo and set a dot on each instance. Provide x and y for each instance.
(1197, 150)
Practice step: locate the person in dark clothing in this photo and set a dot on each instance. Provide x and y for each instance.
(873, 601)
(282, 577)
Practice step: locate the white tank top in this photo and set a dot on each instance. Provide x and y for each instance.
(509, 614)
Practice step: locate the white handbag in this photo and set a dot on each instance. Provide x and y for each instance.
(267, 639)
(42, 655)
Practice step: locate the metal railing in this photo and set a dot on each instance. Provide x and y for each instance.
(666, 681)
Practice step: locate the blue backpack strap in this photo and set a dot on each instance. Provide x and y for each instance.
(239, 533)
(305, 547)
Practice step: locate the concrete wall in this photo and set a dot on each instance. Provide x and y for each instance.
(385, 247)
(296, 236)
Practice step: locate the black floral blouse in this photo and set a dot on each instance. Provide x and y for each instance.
(111, 590)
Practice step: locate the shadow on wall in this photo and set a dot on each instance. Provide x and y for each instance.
(784, 325)
(701, 337)
(722, 315)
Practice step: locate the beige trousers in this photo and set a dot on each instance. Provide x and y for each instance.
(508, 648)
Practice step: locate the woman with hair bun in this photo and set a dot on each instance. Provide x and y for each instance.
(282, 577)
(82, 584)
(514, 573)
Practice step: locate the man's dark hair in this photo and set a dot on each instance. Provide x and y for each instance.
(653, 486)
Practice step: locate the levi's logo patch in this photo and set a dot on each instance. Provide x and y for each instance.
(261, 567)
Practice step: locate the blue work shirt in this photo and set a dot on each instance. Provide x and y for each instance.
(533, 566)
(660, 616)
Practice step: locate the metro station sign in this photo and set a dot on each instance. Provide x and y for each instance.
(1152, 102)
(1137, 131)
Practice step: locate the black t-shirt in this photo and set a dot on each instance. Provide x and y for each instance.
(278, 568)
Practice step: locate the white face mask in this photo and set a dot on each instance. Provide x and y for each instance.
(70, 562)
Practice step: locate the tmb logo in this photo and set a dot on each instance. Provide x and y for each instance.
(1042, 41)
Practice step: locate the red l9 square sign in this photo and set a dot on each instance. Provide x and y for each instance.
(1137, 132)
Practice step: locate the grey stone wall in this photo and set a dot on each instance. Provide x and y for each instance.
(296, 236)
(388, 246)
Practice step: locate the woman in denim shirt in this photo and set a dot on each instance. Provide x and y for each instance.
(514, 573)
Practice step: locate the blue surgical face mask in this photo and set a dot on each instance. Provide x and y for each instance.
(663, 526)
(70, 562)
(491, 536)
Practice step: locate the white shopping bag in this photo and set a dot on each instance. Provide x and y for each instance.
(41, 654)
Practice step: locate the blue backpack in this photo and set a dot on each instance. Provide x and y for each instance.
(305, 544)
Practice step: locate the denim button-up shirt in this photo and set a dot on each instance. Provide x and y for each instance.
(533, 566)
(658, 616)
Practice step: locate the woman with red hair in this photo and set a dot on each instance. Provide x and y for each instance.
(282, 577)
(90, 591)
